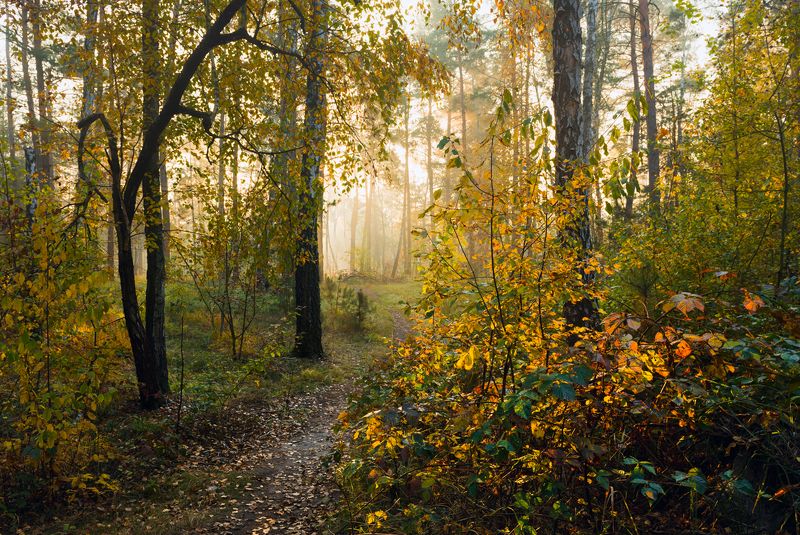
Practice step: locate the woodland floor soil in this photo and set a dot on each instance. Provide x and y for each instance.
(290, 487)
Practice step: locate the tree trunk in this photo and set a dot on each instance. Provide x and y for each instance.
(567, 106)
(26, 81)
(45, 164)
(588, 133)
(448, 186)
(429, 154)
(308, 337)
(155, 297)
(366, 236)
(515, 121)
(407, 196)
(163, 179)
(221, 168)
(782, 253)
(10, 134)
(653, 165)
(630, 191)
(463, 105)
(322, 256)
(353, 228)
(89, 89)
(527, 101)
(589, 67)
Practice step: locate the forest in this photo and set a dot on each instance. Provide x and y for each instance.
(400, 266)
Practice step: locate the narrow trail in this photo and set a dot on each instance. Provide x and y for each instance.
(290, 489)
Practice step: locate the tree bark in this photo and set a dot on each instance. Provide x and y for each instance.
(782, 253)
(45, 164)
(366, 237)
(308, 336)
(27, 83)
(429, 154)
(589, 67)
(353, 228)
(637, 125)
(10, 134)
(155, 291)
(653, 165)
(407, 196)
(567, 106)
(463, 106)
(448, 186)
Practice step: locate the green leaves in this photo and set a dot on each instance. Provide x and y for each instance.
(563, 391)
(694, 480)
(633, 110)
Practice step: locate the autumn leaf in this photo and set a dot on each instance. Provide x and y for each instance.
(467, 359)
(612, 322)
(752, 302)
(685, 302)
(683, 350)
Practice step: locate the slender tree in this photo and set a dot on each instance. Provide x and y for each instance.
(353, 229)
(308, 334)
(589, 68)
(653, 165)
(45, 163)
(567, 106)
(637, 128)
(27, 82)
(10, 133)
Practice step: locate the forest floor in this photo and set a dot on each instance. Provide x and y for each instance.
(259, 462)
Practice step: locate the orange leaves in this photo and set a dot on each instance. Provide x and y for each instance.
(684, 302)
(752, 302)
(724, 275)
(613, 321)
(683, 349)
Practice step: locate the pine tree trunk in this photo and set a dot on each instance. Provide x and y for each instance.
(515, 121)
(353, 229)
(27, 83)
(589, 67)
(448, 185)
(45, 164)
(429, 154)
(463, 105)
(637, 125)
(653, 165)
(366, 235)
(10, 134)
(576, 235)
(407, 196)
(308, 336)
(221, 167)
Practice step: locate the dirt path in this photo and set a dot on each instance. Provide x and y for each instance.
(290, 488)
